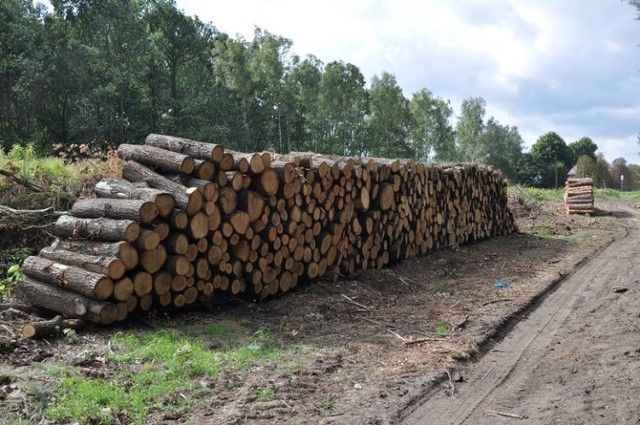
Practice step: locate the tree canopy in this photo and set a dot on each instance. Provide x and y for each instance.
(111, 71)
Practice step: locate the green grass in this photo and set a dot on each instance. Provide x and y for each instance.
(540, 195)
(162, 370)
(327, 403)
(442, 329)
(264, 394)
(633, 197)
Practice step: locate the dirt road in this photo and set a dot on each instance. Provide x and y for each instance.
(574, 360)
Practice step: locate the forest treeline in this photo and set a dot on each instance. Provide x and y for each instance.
(105, 72)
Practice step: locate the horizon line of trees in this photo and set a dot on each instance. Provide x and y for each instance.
(105, 72)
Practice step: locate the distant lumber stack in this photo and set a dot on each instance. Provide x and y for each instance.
(192, 220)
(578, 196)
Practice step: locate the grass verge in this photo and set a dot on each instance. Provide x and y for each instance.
(162, 370)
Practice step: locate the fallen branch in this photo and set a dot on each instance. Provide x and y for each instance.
(397, 335)
(421, 340)
(452, 386)
(509, 415)
(497, 301)
(375, 322)
(352, 301)
(22, 181)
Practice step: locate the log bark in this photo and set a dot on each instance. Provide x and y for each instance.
(122, 189)
(90, 284)
(100, 229)
(121, 250)
(200, 150)
(48, 328)
(161, 159)
(65, 302)
(190, 202)
(107, 266)
(120, 209)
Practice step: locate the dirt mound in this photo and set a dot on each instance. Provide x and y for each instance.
(523, 206)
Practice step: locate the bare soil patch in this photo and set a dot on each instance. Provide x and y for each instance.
(376, 338)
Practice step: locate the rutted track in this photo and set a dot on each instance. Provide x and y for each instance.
(572, 360)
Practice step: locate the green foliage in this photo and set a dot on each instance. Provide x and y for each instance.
(623, 177)
(264, 394)
(503, 147)
(433, 135)
(70, 335)
(389, 122)
(550, 147)
(442, 329)
(542, 195)
(327, 402)
(469, 130)
(115, 70)
(552, 159)
(632, 197)
(601, 175)
(585, 166)
(584, 146)
(344, 105)
(13, 273)
(157, 371)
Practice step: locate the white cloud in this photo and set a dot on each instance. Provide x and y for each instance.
(567, 66)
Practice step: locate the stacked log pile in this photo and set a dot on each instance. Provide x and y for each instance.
(191, 219)
(578, 196)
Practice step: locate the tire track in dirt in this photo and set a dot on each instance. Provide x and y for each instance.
(516, 357)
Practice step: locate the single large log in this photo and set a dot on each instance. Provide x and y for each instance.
(192, 148)
(66, 302)
(53, 327)
(121, 250)
(122, 189)
(190, 201)
(161, 159)
(108, 266)
(90, 284)
(100, 229)
(120, 209)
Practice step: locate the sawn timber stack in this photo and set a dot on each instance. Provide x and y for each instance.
(192, 220)
(578, 196)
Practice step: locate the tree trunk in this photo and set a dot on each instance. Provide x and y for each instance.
(190, 202)
(161, 159)
(47, 328)
(100, 229)
(107, 266)
(121, 250)
(119, 209)
(66, 302)
(192, 148)
(122, 189)
(90, 284)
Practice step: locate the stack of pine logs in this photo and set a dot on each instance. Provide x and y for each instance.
(191, 219)
(578, 196)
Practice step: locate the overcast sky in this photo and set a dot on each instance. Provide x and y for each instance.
(569, 66)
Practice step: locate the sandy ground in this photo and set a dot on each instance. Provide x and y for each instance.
(378, 355)
(572, 360)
